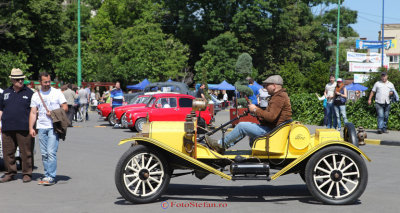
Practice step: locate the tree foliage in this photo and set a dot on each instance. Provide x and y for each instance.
(221, 52)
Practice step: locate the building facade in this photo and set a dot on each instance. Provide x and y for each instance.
(392, 32)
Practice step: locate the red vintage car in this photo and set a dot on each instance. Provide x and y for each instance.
(118, 112)
(104, 110)
(164, 107)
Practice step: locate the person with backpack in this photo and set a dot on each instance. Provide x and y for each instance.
(339, 103)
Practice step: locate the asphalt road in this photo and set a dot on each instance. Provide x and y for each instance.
(87, 159)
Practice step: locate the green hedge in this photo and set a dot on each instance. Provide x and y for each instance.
(309, 110)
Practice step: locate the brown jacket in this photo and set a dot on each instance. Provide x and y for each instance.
(60, 122)
(278, 110)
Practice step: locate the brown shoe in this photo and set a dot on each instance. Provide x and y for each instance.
(215, 145)
(7, 178)
(26, 179)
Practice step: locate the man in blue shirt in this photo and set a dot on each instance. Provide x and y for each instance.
(117, 96)
(14, 114)
(253, 98)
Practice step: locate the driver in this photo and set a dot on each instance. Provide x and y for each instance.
(278, 111)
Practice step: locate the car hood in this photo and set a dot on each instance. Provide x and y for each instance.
(100, 106)
(141, 105)
(136, 110)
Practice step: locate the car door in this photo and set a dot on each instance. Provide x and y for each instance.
(185, 106)
(165, 109)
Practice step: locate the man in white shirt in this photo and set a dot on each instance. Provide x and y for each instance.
(383, 90)
(83, 101)
(48, 138)
(330, 94)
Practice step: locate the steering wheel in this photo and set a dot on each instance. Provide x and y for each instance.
(248, 103)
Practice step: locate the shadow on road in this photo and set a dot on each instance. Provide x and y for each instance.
(254, 193)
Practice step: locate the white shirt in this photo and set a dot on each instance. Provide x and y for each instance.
(53, 99)
(225, 98)
(382, 91)
(83, 96)
(330, 91)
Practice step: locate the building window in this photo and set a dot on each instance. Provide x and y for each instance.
(393, 59)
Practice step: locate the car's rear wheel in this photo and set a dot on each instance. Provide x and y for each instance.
(142, 174)
(139, 124)
(336, 175)
(111, 119)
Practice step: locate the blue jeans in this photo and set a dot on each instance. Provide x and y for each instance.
(331, 116)
(241, 130)
(383, 115)
(342, 110)
(48, 140)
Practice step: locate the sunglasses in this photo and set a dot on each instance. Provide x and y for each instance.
(18, 79)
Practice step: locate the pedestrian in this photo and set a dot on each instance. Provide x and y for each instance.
(225, 99)
(14, 115)
(330, 95)
(88, 91)
(324, 105)
(200, 92)
(339, 104)
(382, 90)
(48, 138)
(83, 102)
(70, 96)
(117, 96)
(253, 88)
(262, 98)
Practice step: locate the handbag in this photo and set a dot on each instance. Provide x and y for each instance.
(59, 119)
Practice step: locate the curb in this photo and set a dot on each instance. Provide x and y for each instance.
(380, 142)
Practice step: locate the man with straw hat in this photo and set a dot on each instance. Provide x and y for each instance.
(14, 114)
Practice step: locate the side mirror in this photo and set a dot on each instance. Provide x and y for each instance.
(158, 106)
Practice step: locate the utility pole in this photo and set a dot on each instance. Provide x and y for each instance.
(337, 42)
(383, 29)
(79, 74)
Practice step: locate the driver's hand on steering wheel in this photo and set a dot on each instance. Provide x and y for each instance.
(252, 107)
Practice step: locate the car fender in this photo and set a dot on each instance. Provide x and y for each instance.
(148, 141)
(137, 115)
(313, 150)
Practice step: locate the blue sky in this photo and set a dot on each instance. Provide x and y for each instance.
(370, 15)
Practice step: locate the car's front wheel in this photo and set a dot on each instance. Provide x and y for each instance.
(336, 175)
(142, 174)
(139, 124)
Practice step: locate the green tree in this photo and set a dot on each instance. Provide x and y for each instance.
(222, 51)
(293, 79)
(146, 52)
(8, 60)
(35, 28)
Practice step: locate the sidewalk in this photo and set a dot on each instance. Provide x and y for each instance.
(392, 138)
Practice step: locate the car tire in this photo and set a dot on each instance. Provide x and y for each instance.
(142, 174)
(124, 124)
(336, 175)
(110, 119)
(139, 124)
(350, 134)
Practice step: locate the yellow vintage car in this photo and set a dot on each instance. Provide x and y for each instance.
(331, 166)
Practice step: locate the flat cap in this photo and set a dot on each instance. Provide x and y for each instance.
(274, 79)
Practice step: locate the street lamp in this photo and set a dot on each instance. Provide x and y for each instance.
(383, 29)
(337, 42)
(79, 74)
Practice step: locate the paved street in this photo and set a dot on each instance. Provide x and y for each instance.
(88, 157)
